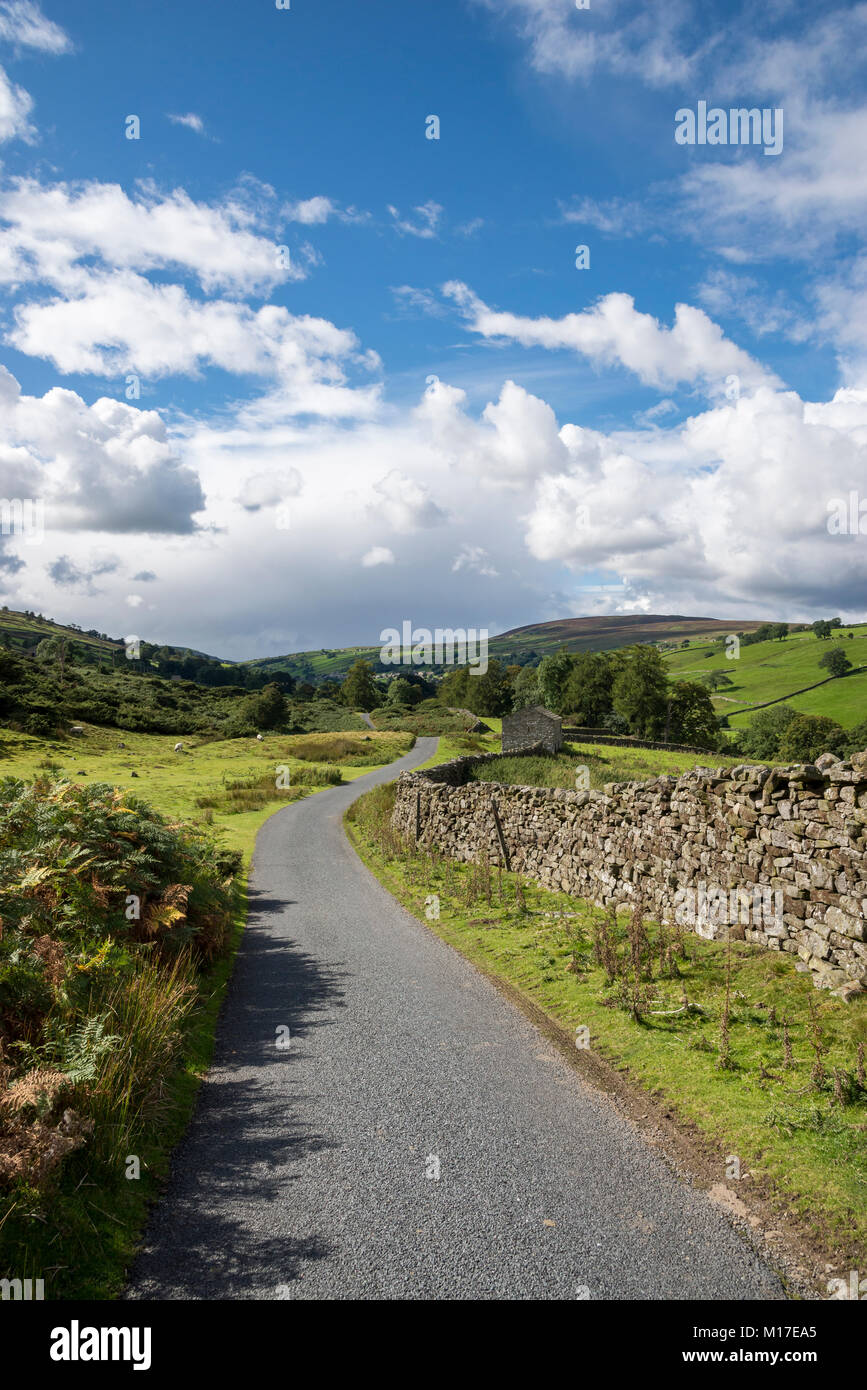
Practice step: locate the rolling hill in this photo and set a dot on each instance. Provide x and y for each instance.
(522, 643)
(605, 633)
(764, 672)
(22, 632)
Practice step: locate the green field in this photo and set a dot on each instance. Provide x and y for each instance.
(173, 782)
(767, 671)
(330, 663)
(607, 763)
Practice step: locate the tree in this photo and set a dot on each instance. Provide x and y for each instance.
(54, 649)
(640, 692)
(715, 680)
(762, 738)
(810, 735)
(781, 630)
(454, 690)
(836, 661)
(359, 689)
(690, 716)
(526, 688)
(490, 693)
(857, 739)
(554, 673)
(821, 628)
(589, 688)
(400, 693)
(268, 708)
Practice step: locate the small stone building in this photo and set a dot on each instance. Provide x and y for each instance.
(533, 725)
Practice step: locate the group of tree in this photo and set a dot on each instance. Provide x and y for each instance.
(625, 691)
(767, 632)
(782, 734)
(824, 627)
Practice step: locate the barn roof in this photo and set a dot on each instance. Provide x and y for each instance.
(535, 709)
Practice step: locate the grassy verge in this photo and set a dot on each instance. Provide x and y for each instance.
(734, 1040)
(80, 1233)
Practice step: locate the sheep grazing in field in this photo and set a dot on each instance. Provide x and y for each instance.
(259, 738)
(77, 730)
(179, 748)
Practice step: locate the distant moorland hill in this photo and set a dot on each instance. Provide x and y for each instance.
(527, 644)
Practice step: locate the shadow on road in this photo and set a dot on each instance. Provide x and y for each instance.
(241, 1151)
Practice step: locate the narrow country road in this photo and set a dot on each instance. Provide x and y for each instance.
(308, 1172)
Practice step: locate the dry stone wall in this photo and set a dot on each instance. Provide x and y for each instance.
(583, 735)
(775, 855)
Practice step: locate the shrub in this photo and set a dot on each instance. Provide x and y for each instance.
(762, 738)
(809, 735)
(108, 913)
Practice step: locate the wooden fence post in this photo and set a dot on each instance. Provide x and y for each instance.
(505, 853)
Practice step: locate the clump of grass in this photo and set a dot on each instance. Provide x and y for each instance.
(362, 750)
(257, 790)
(146, 1013)
(316, 776)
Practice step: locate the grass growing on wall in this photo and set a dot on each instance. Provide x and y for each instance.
(731, 1035)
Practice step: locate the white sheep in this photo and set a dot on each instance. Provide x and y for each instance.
(259, 738)
(179, 748)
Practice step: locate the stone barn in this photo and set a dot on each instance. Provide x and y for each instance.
(532, 725)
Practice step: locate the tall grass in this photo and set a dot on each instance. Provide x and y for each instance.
(259, 789)
(145, 1013)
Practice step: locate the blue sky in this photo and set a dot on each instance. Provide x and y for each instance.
(427, 412)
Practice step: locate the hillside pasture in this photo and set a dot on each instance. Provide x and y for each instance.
(767, 671)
